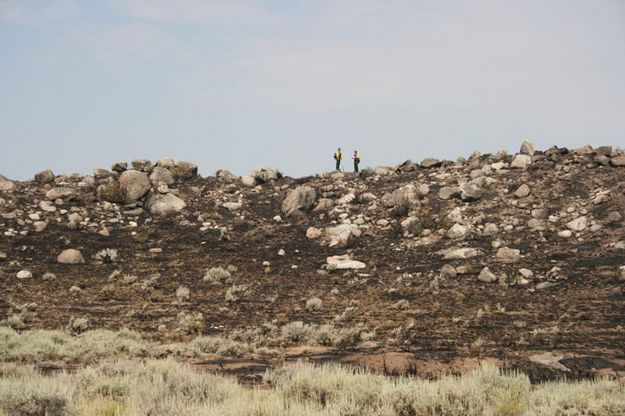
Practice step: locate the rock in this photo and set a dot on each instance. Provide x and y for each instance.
(346, 199)
(521, 161)
(423, 190)
(313, 233)
(5, 184)
(550, 360)
(248, 181)
(164, 204)
(324, 204)
(527, 148)
(167, 163)
(578, 224)
(232, 206)
(48, 276)
(383, 222)
(59, 193)
(40, 226)
(448, 271)
(281, 252)
(367, 197)
(490, 229)
(565, 234)
(45, 176)
(264, 174)
(487, 276)
(111, 192)
(299, 200)
(621, 273)
(508, 254)
(134, 185)
(522, 191)
(430, 162)
(526, 273)
(460, 253)
(618, 161)
(533, 223)
(343, 262)
(470, 192)
(613, 217)
(226, 175)
(184, 170)
(24, 274)
(70, 256)
(161, 175)
(341, 234)
(544, 285)
(119, 167)
(142, 165)
(447, 192)
(457, 231)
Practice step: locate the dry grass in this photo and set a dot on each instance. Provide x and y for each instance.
(167, 387)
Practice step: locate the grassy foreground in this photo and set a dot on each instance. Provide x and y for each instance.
(118, 375)
(169, 387)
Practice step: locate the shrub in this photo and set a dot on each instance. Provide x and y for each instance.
(217, 275)
(295, 331)
(182, 293)
(314, 304)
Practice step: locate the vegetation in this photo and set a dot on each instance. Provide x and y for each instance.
(168, 387)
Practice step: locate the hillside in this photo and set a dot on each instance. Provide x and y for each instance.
(511, 259)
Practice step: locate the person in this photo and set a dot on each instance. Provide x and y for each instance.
(356, 157)
(337, 156)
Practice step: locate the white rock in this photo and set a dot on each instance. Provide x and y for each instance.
(343, 262)
(232, 206)
(565, 234)
(521, 161)
(487, 276)
(134, 184)
(248, 181)
(163, 205)
(460, 253)
(457, 231)
(341, 234)
(578, 224)
(508, 254)
(24, 274)
(70, 256)
(313, 233)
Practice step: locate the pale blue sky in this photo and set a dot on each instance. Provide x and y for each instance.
(233, 84)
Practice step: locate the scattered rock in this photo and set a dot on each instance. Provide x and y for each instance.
(24, 274)
(313, 233)
(164, 204)
(527, 148)
(134, 185)
(264, 174)
(521, 161)
(470, 192)
(341, 234)
(5, 184)
(487, 276)
(299, 200)
(457, 231)
(430, 162)
(508, 254)
(522, 191)
(70, 256)
(161, 175)
(578, 224)
(142, 165)
(45, 176)
(59, 193)
(460, 253)
(447, 192)
(618, 161)
(343, 262)
(184, 170)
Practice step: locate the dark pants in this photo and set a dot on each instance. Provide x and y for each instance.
(356, 162)
(338, 164)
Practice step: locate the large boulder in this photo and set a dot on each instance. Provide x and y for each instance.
(5, 184)
(527, 148)
(521, 161)
(134, 185)
(184, 170)
(70, 256)
(618, 161)
(161, 175)
(45, 176)
(264, 174)
(342, 234)
(470, 192)
(578, 224)
(60, 192)
(142, 165)
(430, 162)
(164, 204)
(298, 200)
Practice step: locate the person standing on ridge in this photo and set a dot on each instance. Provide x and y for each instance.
(356, 157)
(337, 156)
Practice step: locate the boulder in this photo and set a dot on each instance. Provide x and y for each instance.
(522, 191)
(248, 181)
(226, 175)
(232, 206)
(447, 192)
(142, 165)
(618, 161)
(470, 192)
(343, 262)
(578, 224)
(460, 253)
(527, 148)
(324, 204)
(299, 200)
(487, 276)
(508, 254)
(457, 231)
(70, 256)
(45, 176)
(161, 175)
(313, 233)
(134, 185)
(5, 184)
(119, 167)
(59, 193)
(24, 274)
(341, 234)
(264, 174)
(430, 162)
(164, 204)
(167, 163)
(184, 170)
(521, 161)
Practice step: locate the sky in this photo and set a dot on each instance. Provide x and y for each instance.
(237, 83)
